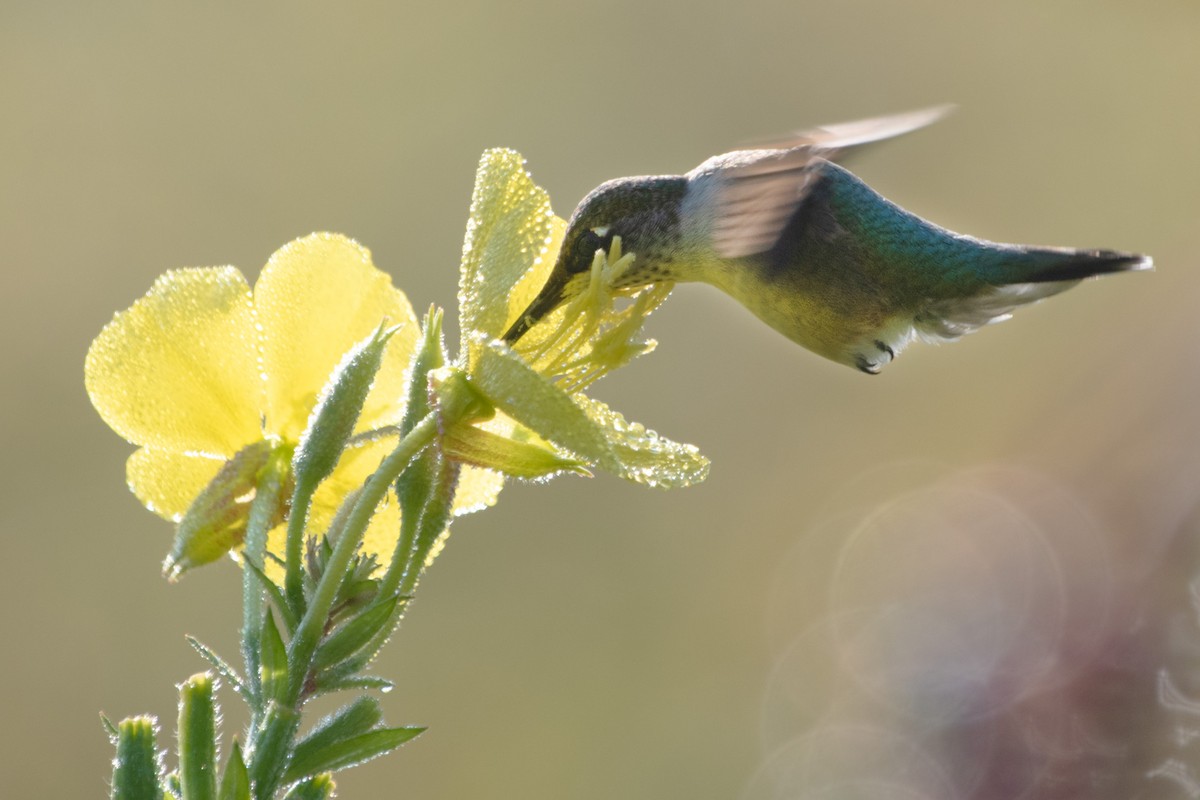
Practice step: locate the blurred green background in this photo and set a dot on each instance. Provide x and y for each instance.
(899, 577)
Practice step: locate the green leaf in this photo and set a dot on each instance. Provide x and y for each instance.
(353, 751)
(235, 783)
(223, 668)
(353, 719)
(333, 681)
(508, 230)
(319, 787)
(353, 635)
(136, 768)
(110, 728)
(273, 662)
(273, 591)
(197, 733)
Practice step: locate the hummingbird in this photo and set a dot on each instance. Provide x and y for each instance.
(812, 250)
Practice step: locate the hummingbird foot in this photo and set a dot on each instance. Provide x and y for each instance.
(877, 356)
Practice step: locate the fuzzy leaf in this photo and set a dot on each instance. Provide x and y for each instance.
(319, 787)
(273, 591)
(235, 783)
(349, 752)
(110, 728)
(223, 668)
(273, 662)
(353, 635)
(333, 681)
(350, 721)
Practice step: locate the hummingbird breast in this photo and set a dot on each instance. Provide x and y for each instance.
(846, 276)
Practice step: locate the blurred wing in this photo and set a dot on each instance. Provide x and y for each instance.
(831, 140)
(754, 192)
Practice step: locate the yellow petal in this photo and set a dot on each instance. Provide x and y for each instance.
(508, 233)
(477, 489)
(178, 370)
(641, 455)
(535, 277)
(317, 297)
(382, 531)
(355, 466)
(352, 471)
(379, 539)
(167, 482)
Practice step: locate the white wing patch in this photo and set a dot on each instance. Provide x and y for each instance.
(948, 320)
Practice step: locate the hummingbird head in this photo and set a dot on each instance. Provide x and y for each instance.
(639, 210)
(642, 211)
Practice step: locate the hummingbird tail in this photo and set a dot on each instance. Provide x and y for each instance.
(1019, 277)
(1049, 265)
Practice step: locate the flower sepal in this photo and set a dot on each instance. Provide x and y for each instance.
(459, 403)
(533, 459)
(216, 521)
(338, 407)
(585, 427)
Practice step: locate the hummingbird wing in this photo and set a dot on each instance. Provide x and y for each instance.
(833, 139)
(754, 192)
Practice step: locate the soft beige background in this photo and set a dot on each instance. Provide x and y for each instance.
(588, 638)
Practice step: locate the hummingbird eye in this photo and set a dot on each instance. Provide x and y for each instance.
(585, 247)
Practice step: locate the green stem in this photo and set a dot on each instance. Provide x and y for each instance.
(262, 512)
(408, 559)
(293, 583)
(308, 633)
(435, 518)
(374, 435)
(388, 586)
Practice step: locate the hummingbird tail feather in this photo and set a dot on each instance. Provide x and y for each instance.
(1025, 276)
(1074, 265)
(950, 319)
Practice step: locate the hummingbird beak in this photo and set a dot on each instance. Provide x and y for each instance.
(546, 301)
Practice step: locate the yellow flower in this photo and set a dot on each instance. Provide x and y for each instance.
(512, 241)
(215, 382)
(202, 368)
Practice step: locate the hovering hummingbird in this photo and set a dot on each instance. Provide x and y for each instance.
(812, 250)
